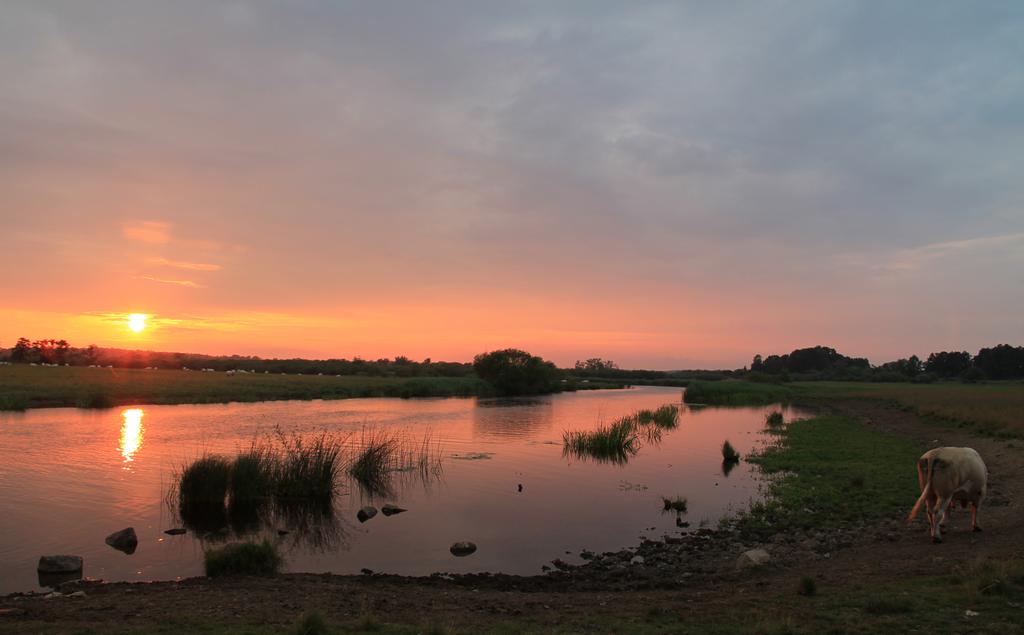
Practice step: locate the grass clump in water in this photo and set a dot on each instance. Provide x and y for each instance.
(729, 453)
(382, 454)
(614, 443)
(253, 474)
(243, 558)
(774, 419)
(375, 461)
(666, 416)
(309, 469)
(676, 504)
(204, 482)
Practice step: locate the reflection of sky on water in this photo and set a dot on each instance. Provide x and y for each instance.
(512, 417)
(64, 490)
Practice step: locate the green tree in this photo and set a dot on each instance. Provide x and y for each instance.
(515, 372)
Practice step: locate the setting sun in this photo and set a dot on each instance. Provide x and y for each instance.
(137, 322)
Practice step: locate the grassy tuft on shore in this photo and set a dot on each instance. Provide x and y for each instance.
(243, 558)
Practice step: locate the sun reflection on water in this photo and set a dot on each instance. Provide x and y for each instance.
(131, 434)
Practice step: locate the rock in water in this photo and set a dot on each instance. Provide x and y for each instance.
(124, 540)
(389, 509)
(753, 558)
(60, 564)
(462, 549)
(366, 513)
(177, 531)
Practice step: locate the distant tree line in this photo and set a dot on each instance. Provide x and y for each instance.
(60, 352)
(513, 371)
(820, 362)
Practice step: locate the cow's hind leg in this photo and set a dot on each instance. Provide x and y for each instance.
(940, 515)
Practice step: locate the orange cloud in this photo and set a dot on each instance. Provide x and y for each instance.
(154, 232)
(179, 264)
(181, 283)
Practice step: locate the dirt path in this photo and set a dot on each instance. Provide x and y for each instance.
(679, 576)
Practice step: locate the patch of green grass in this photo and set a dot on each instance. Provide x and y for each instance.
(774, 419)
(729, 453)
(736, 393)
(812, 470)
(614, 443)
(243, 558)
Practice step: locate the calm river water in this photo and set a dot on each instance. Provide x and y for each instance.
(70, 477)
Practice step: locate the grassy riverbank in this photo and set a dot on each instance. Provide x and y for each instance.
(23, 386)
(993, 409)
(829, 471)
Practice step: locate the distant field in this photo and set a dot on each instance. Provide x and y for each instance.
(991, 408)
(23, 386)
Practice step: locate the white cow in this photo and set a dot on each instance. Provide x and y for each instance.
(947, 475)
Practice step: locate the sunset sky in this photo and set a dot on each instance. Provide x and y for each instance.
(669, 185)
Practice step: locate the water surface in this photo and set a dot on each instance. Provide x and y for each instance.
(70, 477)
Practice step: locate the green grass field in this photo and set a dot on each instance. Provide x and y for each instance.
(23, 386)
(993, 408)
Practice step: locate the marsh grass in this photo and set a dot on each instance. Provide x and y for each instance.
(666, 416)
(204, 482)
(309, 468)
(614, 443)
(243, 558)
(676, 504)
(375, 460)
(383, 457)
(729, 453)
(774, 419)
(253, 474)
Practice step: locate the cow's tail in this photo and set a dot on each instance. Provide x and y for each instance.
(925, 490)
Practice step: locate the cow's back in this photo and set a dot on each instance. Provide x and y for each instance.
(956, 469)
